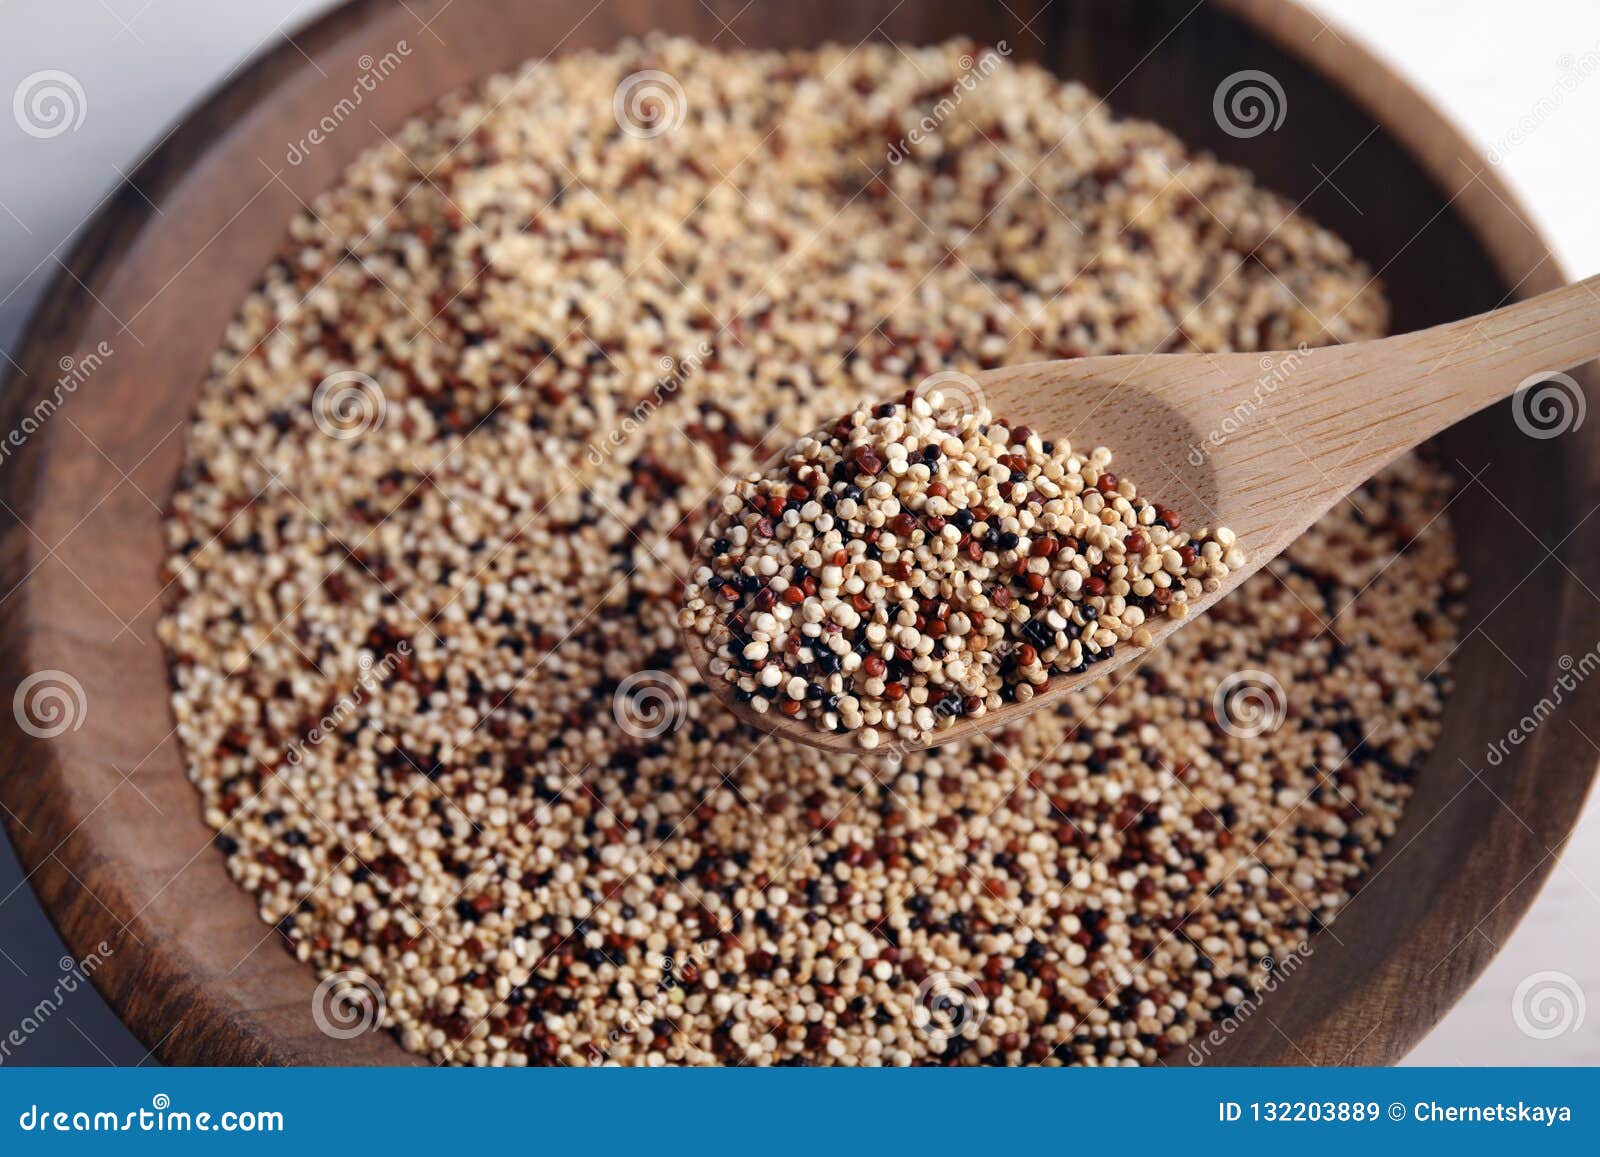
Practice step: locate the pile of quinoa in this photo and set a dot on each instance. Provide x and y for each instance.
(919, 562)
(440, 501)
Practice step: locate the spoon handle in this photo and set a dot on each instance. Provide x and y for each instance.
(1340, 414)
(1487, 357)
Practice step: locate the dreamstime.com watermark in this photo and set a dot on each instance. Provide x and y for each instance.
(160, 1117)
(374, 71)
(74, 975)
(374, 674)
(1573, 71)
(895, 753)
(674, 373)
(973, 72)
(1277, 972)
(1275, 371)
(74, 373)
(1573, 674)
(664, 1002)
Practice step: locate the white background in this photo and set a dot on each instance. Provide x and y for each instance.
(1487, 62)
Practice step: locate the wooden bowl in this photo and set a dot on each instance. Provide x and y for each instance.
(110, 830)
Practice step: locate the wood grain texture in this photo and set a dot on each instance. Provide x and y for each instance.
(103, 817)
(1264, 453)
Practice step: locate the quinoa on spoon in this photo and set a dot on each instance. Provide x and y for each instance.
(928, 568)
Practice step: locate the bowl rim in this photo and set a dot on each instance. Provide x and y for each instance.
(56, 869)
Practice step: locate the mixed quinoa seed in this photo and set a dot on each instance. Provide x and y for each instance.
(410, 649)
(915, 563)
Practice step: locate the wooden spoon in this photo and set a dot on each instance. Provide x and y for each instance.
(1263, 444)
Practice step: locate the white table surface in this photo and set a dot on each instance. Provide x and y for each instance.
(1495, 67)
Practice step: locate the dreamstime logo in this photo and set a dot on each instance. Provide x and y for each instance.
(49, 103)
(348, 404)
(1250, 703)
(649, 103)
(950, 1002)
(1548, 406)
(649, 704)
(1547, 1005)
(1249, 103)
(348, 1004)
(951, 394)
(49, 703)
(155, 1119)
